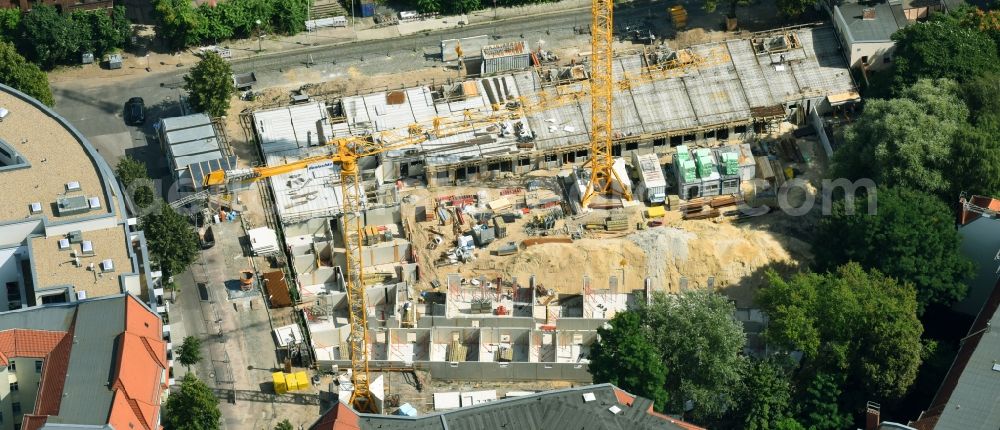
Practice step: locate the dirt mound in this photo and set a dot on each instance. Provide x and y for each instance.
(563, 265)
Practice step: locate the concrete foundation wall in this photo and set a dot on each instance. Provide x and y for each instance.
(492, 372)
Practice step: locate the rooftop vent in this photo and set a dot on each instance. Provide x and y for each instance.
(868, 14)
(615, 409)
(107, 266)
(80, 295)
(589, 397)
(73, 186)
(63, 244)
(3, 113)
(87, 247)
(36, 208)
(75, 236)
(94, 202)
(996, 367)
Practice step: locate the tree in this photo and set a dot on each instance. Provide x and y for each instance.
(911, 238)
(178, 22)
(129, 169)
(763, 397)
(820, 409)
(284, 425)
(982, 94)
(701, 349)
(135, 179)
(712, 5)
(26, 77)
(210, 85)
(189, 353)
(10, 23)
(172, 242)
(193, 407)
(290, 16)
(905, 141)
(624, 356)
(795, 7)
(50, 38)
(942, 48)
(428, 6)
(975, 158)
(860, 324)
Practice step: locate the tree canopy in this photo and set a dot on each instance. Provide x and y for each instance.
(26, 77)
(624, 356)
(905, 141)
(851, 322)
(712, 5)
(172, 242)
(189, 353)
(795, 7)
(135, 179)
(51, 38)
(942, 48)
(284, 425)
(193, 407)
(701, 350)
(763, 397)
(911, 238)
(210, 85)
(820, 408)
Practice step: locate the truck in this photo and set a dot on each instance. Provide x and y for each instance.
(652, 185)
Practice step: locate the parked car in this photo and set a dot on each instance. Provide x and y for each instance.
(135, 111)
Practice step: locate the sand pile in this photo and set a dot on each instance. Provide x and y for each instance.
(700, 249)
(563, 265)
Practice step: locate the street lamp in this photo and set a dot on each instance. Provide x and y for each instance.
(494, 11)
(259, 37)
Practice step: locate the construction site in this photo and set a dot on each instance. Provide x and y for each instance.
(472, 230)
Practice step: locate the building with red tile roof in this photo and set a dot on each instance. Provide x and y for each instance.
(99, 362)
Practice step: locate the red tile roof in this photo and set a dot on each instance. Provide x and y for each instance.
(27, 343)
(33, 422)
(138, 369)
(54, 377)
(140, 364)
(340, 417)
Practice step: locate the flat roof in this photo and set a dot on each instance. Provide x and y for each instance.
(54, 267)
(56, 157)
(190, 140)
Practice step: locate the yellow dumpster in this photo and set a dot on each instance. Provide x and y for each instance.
(291, 382)
(279, 383)
(655, 212)
(302, 380)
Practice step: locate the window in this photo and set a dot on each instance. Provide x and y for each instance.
(631, 146)
(12, 366)
(13, 386)
(864, 59)
(1, 417)
(38, 366)
(16, 406)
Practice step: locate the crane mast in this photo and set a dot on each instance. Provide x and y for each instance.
(601, 162)
(362, 399)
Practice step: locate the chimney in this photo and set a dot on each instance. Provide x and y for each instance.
(872, 417)
(868, 14)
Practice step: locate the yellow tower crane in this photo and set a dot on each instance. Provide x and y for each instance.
(348, 150)
(602, 174)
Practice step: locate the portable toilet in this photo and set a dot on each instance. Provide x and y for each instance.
(290, 382)
(114, 61)
(279, 383)
(302, 380)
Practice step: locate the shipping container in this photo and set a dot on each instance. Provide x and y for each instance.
(652, 186)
